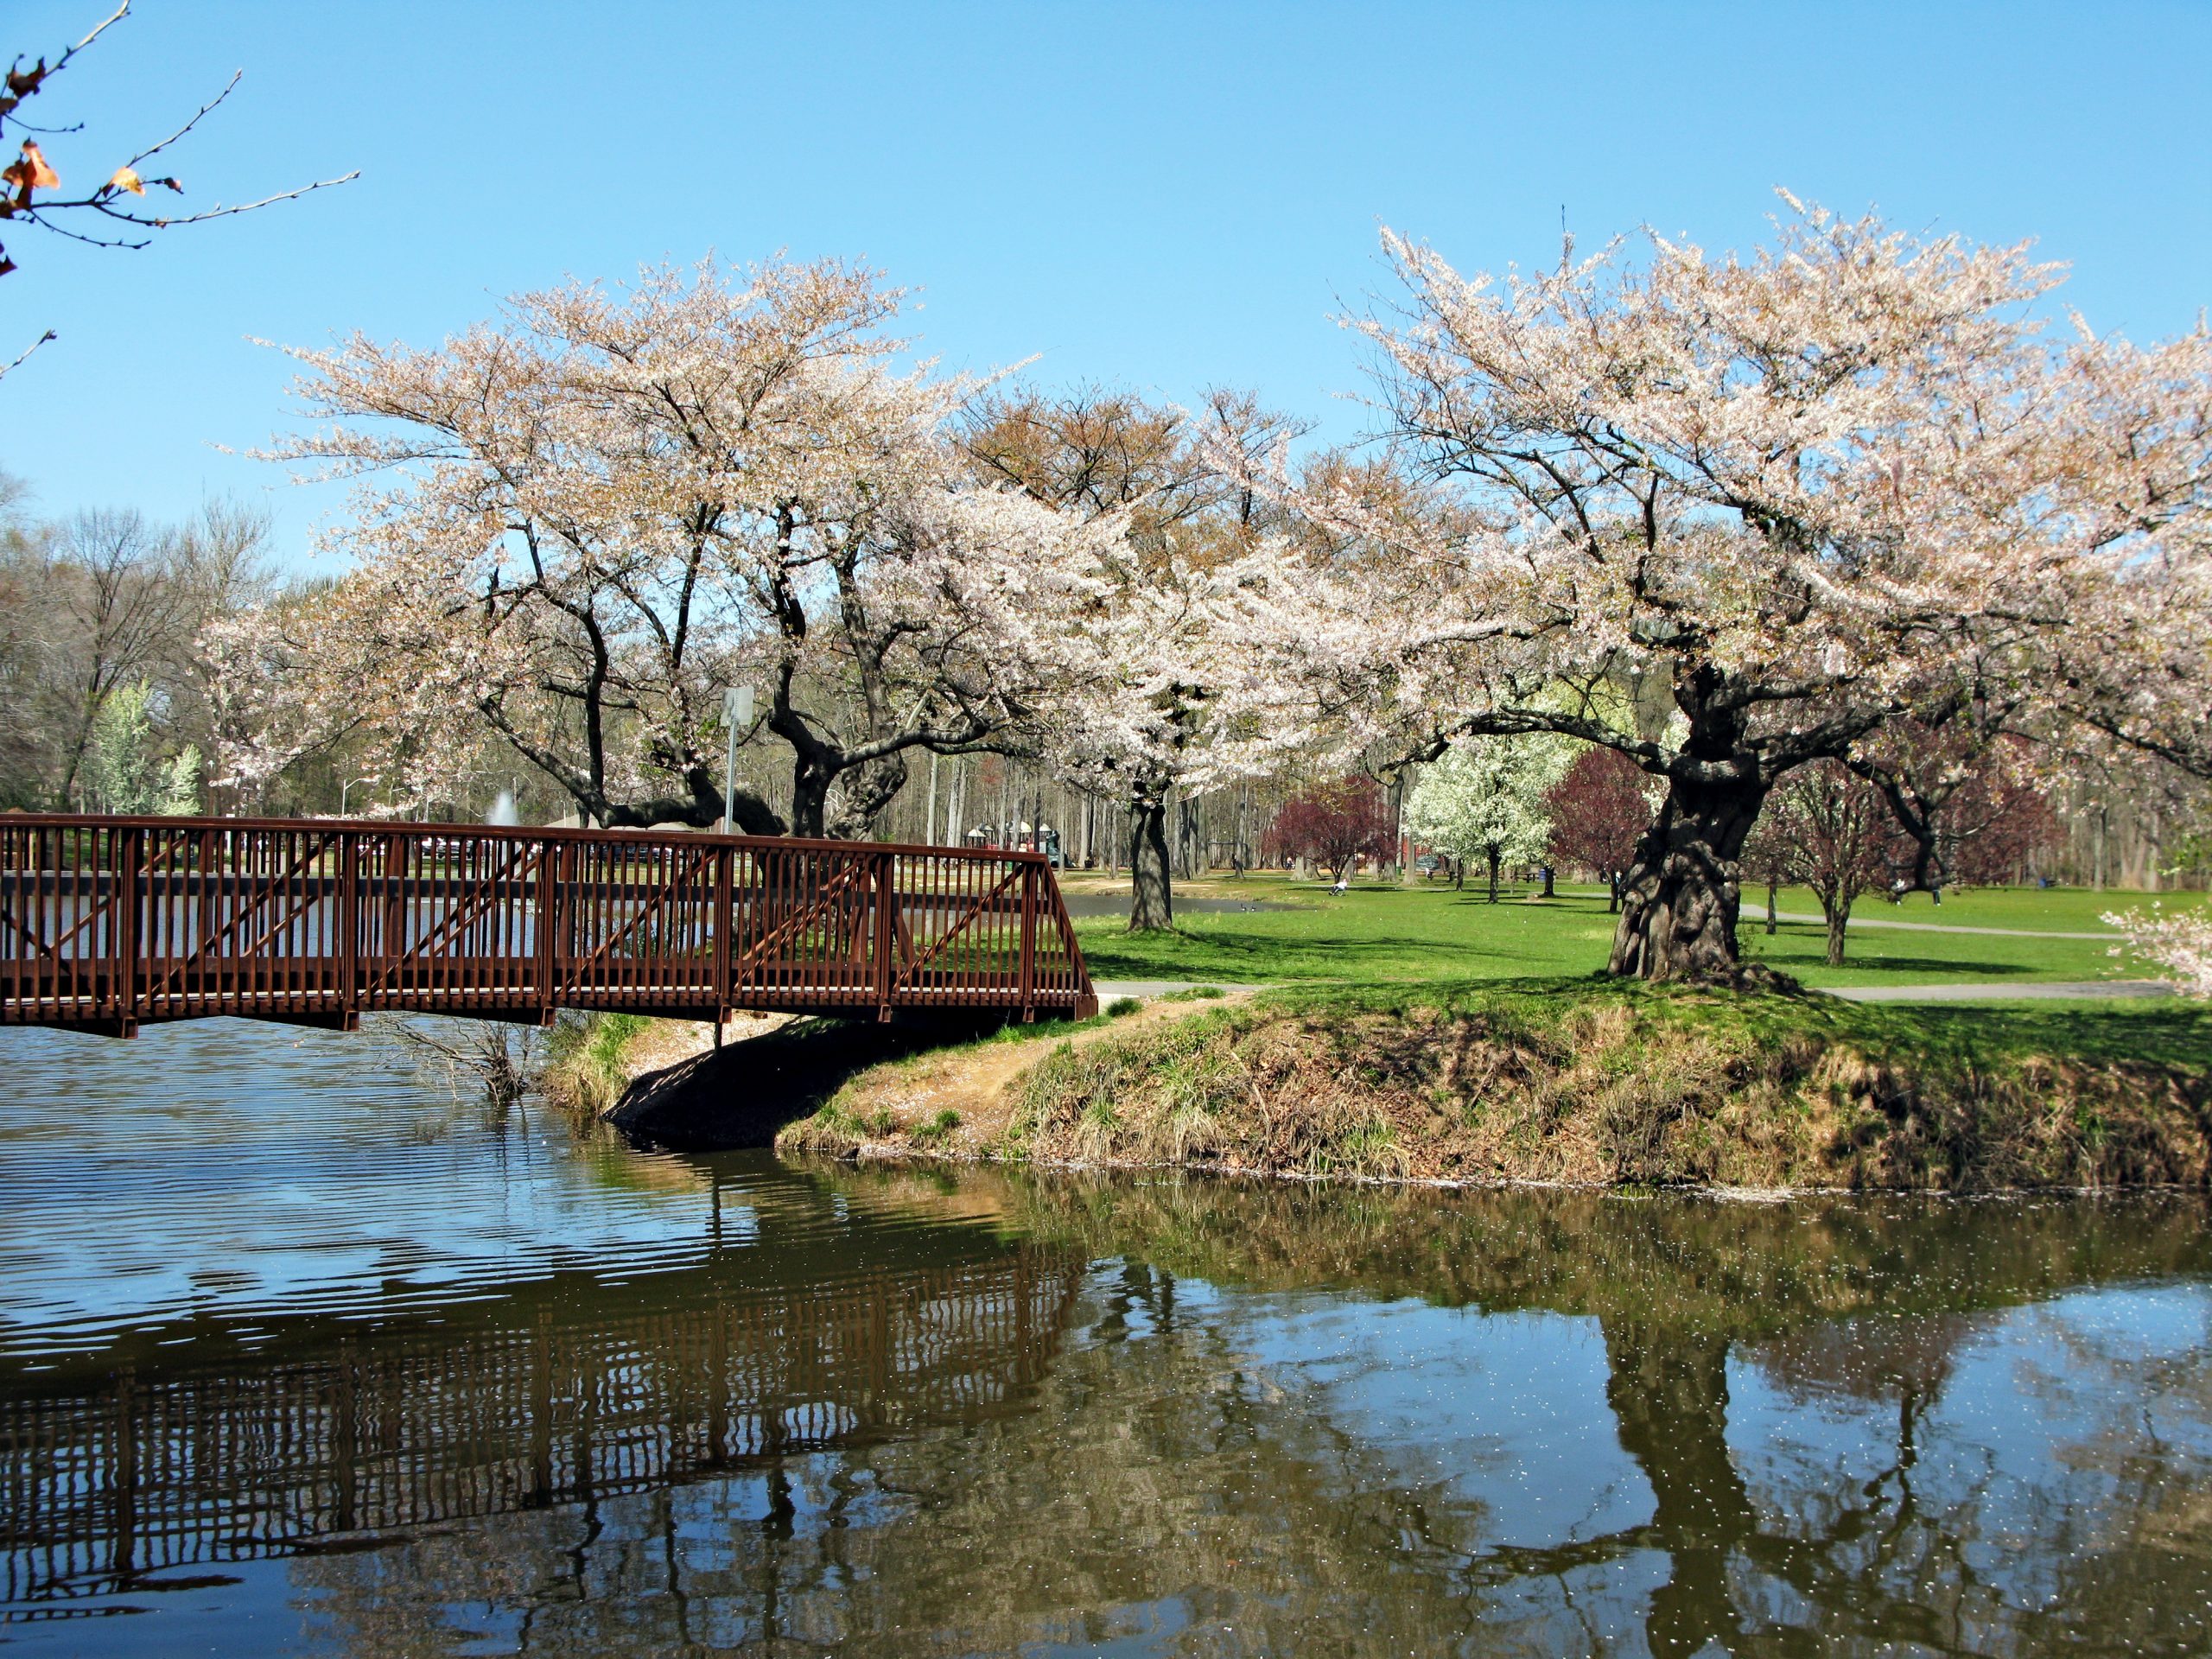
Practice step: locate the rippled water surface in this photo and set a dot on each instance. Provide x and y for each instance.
(300, 1353)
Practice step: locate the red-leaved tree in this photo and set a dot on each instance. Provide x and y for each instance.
(1832, 832)
(1333, 826)
(1598, 810)
(2000, 824)
(1965, 796)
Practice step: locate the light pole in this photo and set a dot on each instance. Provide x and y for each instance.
(344, 787)
(737, 711)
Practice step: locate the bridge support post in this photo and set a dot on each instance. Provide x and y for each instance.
(725, 921)
(349, 929)
(1028, 944)
(886, 938)
(127, 853)
(549, 901)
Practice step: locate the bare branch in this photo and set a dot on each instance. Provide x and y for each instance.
(23, 355)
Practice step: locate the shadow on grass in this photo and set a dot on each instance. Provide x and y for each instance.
(741, 1094)
(1263, 958)
(1935, 967)
(2162, 1034)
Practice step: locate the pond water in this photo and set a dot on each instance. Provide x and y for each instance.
(299, 1354)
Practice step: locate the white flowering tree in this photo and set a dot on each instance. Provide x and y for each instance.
(2178, 941)
(1184, 688)
(575, 526)
(1839, 482)
(1486, 800)
(1174, 675)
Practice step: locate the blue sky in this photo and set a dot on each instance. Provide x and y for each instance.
(1161, 197)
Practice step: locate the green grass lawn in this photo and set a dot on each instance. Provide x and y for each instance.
(1388, 933)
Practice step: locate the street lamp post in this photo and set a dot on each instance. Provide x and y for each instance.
(737, 712)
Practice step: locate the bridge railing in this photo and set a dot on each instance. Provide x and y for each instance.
(109, 923)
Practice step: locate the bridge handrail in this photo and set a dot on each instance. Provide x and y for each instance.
(511, 831)
(107, 921)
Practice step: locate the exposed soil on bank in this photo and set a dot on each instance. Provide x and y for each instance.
(1575, 1082)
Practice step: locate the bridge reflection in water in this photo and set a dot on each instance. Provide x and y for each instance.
(284, 1434)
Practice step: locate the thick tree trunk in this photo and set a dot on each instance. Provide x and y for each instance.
(1612, 893)
(1151, 901)
(812, 776)
(859, 795)
(1493, 875)
(1548, 893)
(1459, 876)
(1678, 918)
(1838, 912)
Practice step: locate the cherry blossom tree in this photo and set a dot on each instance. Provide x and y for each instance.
(1174, 678)
(1600, 810)
(1180, 688)
(1839, 482)
(574, 525)
(1488, 798)
(2180, 941)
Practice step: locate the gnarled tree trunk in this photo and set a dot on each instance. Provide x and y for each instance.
(861, 795)
(1151, 901)
(813, 770)
(1679, 909)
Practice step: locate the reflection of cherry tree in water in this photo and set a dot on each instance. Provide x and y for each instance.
(1764, 1558)
(1872, 1568)
(1199, 1470)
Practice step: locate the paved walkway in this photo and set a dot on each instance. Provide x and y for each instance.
(2037, 992)
(1757, 913)
(1144, 989)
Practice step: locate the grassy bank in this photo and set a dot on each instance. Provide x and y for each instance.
(1596, 1081)
(1392, 934)
(1425, 1034)
(588, 1061)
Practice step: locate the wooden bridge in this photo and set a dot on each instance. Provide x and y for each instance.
(107, 924)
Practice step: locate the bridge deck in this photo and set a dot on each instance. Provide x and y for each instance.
(107, 924)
